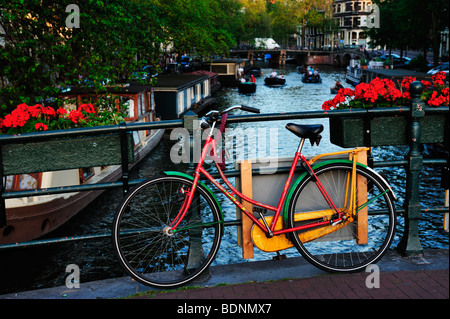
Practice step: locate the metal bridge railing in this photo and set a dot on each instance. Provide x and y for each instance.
(413, 163)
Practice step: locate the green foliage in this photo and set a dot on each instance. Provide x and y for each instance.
(419, 63)
(114, 41)
(412, 24)
(201, 26)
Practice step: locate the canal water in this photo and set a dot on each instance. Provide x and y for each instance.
(45, 266)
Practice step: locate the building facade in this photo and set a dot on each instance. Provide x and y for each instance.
(354, 17)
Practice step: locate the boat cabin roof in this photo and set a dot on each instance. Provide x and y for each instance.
(178, 82)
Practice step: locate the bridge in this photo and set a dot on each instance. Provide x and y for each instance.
(300, 57)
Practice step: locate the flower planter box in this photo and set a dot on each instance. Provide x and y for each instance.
(64, 153)
(351, 131)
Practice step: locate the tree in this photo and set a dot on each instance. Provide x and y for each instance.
(284, 20)
(205, 25)
(308, 14)
(113, 40)
(42, 54)
(414, 24)
(256, 20)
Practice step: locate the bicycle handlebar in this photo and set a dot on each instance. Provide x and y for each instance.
(250, 109)
(242, 107)
(213, 115)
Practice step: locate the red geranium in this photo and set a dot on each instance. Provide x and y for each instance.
(365, 95)
(383, 93)
(88, 108)
(30, 118)
(406, 82)
(75, 116)
(41, 127)
(438, 78)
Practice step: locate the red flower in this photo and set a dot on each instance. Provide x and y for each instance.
(442, 99)
(377, 91)
(327, 105)
(88, 108)
(426, 84)
(61, 111)
(438, 78)
(407, 81)
(18, 117)
(41, 127)
(49, 111)
(75, 116)
(35, 110)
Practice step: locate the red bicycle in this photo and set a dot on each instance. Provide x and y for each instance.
(339, 214)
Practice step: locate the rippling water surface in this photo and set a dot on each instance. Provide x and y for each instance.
(38, 267)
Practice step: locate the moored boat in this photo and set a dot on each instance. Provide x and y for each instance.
(354, 74)
(28, 218)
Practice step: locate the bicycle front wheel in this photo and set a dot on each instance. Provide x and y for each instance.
(146, 248)
(355, 243)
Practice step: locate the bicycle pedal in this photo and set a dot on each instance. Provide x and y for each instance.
(279, 256)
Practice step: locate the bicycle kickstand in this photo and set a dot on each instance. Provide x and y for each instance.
(279, 256)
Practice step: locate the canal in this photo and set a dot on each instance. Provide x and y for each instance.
(45, 266)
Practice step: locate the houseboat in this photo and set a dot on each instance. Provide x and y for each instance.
(176, 94)
(229, 70)
(355, 74)
(29, 218)
(214, 82)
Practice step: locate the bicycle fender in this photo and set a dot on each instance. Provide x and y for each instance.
(184, 175)
(384, 181)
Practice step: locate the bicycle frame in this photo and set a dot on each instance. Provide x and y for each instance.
(270, 231)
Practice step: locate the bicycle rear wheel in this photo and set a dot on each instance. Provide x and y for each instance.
(148, 251)
(355, 243)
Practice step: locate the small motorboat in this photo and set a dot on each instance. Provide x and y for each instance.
(254, 70)
(274, 81)
(311, 79)
(247, 87)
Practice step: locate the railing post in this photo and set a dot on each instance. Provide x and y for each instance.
(2, 189)
(124, 157)
(410, 243)
(196, 253)
(190, 120)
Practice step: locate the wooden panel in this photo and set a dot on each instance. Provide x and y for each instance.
(361, 198)
(247, 223)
